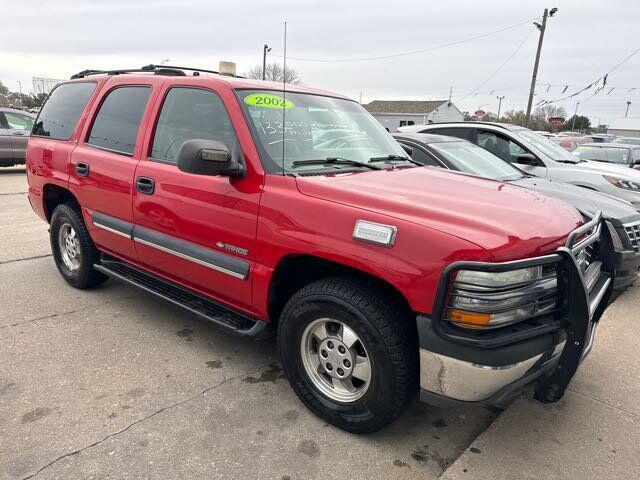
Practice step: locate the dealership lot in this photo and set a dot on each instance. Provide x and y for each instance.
(113, 383)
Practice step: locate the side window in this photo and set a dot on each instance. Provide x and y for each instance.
(451, 132)
(500, 146)
(423, 157)
(115, 127)
(18, 122)
(636, 154)
(61, 112)
(189, 113)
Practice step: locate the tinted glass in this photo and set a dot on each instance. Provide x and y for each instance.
(313, 127)
(423, 157)
(116, 125)
(469, 158)
(61, 112)
(18, 122)
(451, 132)
(189, 113)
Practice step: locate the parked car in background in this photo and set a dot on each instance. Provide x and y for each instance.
(569, 143)
(602, 138)
(379, 277)
(617, 153)
(627, 140)
(544, 133)
(622, 218)
(537, 155)
(15, 128)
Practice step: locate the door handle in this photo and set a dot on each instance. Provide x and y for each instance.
(145, 185)
(82, 169)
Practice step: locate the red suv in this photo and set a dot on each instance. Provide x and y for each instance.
(269, 210)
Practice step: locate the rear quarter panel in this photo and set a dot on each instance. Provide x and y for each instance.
(48, 160)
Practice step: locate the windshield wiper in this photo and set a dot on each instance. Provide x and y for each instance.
(334, 161)
(392, 158)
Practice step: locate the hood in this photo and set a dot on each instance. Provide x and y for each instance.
(508, 221)
(583, 199)
(620, 171)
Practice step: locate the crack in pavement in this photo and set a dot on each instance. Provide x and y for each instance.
(54, 315)
(24, 259)
(13, 193)
(140, 420)
(621, 410)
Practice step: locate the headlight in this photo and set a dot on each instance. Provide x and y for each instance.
(622, 183)
(485, 300)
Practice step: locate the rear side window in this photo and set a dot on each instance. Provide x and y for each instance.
(116, 125)
(61, 112)
(463, 133)
(187, 114)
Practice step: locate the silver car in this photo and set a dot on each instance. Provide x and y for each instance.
(15, 128)
(538, 156)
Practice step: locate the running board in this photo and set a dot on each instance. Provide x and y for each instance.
(191, 301)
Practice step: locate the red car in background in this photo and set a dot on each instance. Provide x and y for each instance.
(570, 143)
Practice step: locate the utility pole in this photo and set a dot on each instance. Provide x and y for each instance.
(575, 114)
(628, 105)
(265, 49)
(542, 27)
(500, 98)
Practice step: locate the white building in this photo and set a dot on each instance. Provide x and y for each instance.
(399, 113)
(625, 127)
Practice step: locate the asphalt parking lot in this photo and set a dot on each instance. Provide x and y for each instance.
(113, 383)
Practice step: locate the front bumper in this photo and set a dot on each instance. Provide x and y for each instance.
(462, 369)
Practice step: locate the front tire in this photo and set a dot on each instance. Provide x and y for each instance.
(72, 248)
(349, 351)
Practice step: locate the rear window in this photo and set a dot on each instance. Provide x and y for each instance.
(116, 125)
(61, 112)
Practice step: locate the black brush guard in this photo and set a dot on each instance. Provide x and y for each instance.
(581, 306)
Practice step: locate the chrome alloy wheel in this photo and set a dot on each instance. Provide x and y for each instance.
(335, 360)
(69, 246)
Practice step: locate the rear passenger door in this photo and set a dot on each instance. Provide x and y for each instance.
(6, 153)
(103, 165)
(19, 129)
(198, 230)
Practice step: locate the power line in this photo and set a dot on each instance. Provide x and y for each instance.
(411, 52)
(520, 45)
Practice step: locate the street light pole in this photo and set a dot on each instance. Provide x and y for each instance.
(575, 114)
(20, 90)
(265, 49)
(628, 105)
(542, 27)
(500, 98)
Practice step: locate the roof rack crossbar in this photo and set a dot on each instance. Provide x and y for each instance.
(146, 69)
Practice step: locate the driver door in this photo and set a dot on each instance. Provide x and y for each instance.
(505, 148)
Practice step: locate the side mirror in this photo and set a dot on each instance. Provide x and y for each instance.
(527, 159)
(208, 157)
(407, 149)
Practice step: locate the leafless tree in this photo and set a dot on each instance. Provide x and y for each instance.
(274, 73)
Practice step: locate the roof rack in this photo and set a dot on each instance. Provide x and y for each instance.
(156, 69)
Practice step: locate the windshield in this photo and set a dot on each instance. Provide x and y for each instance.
(603, 154)
(630, 141)
(469, 158)
(547, 147)
(315, 127)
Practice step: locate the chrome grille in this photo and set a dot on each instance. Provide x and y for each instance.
(633, 232)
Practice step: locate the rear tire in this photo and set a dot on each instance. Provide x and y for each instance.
(73, 250)
(350, 353)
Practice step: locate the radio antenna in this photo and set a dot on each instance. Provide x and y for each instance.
(284, 95)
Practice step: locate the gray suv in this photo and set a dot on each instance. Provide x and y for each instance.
(15, 128)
